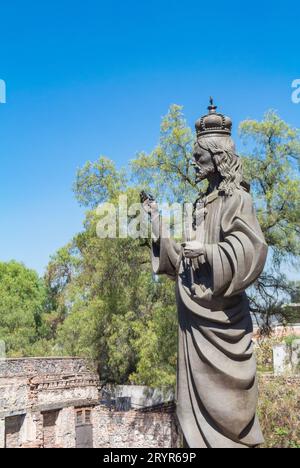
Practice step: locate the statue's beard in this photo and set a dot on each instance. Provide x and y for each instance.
(204, 173)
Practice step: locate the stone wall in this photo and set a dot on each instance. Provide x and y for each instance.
(42, 402)
(135, 429)
(44, 384)
(38, 400)
(40, 366)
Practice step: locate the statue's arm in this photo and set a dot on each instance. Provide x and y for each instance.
(166, 253)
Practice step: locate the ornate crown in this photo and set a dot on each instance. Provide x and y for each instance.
(213, 123)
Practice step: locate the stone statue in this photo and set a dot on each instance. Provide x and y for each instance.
(223, 255)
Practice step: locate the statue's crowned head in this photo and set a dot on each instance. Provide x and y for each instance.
(215, 150)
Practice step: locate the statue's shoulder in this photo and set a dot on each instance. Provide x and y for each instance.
(239, 197)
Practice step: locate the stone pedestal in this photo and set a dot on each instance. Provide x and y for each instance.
(286, 358)
(296, 356)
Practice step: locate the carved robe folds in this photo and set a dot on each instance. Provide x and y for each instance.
(216, 377)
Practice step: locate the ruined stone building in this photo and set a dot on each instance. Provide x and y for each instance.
(57, 403)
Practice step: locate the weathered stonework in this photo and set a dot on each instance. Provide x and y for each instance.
(41, 366)
(38, 398)
(136, 429)
(55, 403)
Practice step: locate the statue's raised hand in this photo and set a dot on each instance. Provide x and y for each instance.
(149, 203)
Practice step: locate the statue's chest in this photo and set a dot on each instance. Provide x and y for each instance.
(207, 224)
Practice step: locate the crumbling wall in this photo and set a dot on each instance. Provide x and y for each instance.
(135, 429)
(39, 400)
(43, 393)
(41, 366)
(13, 393)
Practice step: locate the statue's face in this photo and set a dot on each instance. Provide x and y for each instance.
(204, 165)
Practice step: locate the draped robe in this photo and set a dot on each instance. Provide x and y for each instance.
(216, 375)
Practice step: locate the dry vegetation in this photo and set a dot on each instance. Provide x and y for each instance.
(279, 401)
(279, 411)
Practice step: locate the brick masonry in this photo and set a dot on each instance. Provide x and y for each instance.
(155, 428)
(40, 398)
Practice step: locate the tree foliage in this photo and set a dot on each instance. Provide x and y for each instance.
(104, 289)
(271, 165)
(22, 303)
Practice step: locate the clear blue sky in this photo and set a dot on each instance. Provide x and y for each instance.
(92, 77)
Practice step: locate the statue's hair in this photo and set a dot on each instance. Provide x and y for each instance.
(227, 161)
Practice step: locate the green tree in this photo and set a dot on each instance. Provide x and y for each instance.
(22, 303)
(103, 291)
(112, 296)
(98, 182)
(155, 340)
(292, 308)
(59, 276)
(271, 165)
